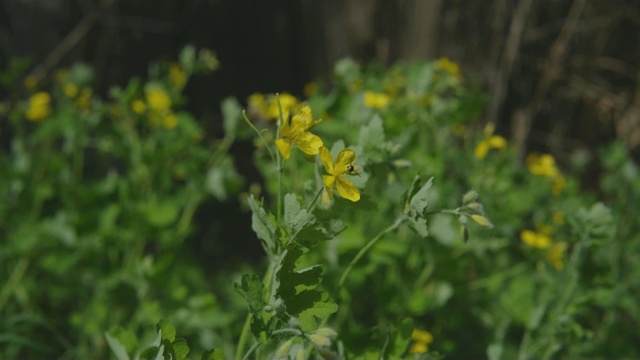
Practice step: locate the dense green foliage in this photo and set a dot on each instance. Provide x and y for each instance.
(451, 247)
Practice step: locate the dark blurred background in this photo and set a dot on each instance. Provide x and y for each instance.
(559, 76)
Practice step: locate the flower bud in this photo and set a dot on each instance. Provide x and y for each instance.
(283, 350)
(469, 196)
(482, 221)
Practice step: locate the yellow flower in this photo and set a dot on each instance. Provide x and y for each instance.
(490, 142)
(138, 106)
(177, 76)
(448, 66)
(343, 165)
(555, 255)
(537, 240)
(70, 90)
(295, 130)
(542, 165)
(374, 100)
(169, 121)
(158, 99)
(39, 107)
(287, 101)
(421, 340)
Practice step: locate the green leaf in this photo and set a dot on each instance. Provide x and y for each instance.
(417, 206)
(181, 348)
(402, 339)
(296, 218)
(263, 224)
(296, 287)
(231, 116)
(215, 354)
(371, 140)
(122, 342)
(252, 289)
(322, 307)
(167, 331)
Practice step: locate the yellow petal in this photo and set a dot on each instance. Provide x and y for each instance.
(329, 181)
(327, 160)
(301, 121)
(345, 157)
(481, 150)
(284, 146)
(347, 190)
(309, 143)
(497, 142)
(285, 130)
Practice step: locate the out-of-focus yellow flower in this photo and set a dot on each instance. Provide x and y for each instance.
(30, 82)
(542, 165)
(39, 107)
(448, 66)
(169, 121)
(138, 106)
(337, 170)
(545, 165)
(374, 100)
(84, 99)
(257, 105)
(158, 99)
(537, 240)
(310, 89)
(70, 90)
(490, 142)
(177, 76)
(296, 131)
(421, 340)
(287, 102)
(556, 254)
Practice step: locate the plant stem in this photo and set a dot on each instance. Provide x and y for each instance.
(14, 281)
(253, 348)
(266, 144)
(368, 246)
(313, 202)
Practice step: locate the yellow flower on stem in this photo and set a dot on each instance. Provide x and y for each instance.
(39, 107)
(421, 340)
(490, 142)
(343, 165)
(295, 130)
(538, 240)
(287, 102)
(374, 100)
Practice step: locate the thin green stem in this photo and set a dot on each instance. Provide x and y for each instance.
(246, 119)
(13, 281)
(253, 348)
(313, 202)
(279, 160)
(366, 248)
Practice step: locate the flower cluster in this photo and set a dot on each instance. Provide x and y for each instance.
(266, 107)
(490, 141)
(295, 130)
(545, 165)
(39, 107)
(157, 106)
(420, 341)
(542, 239)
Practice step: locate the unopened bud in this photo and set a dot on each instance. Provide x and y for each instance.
(283, 350)
(469, 196)
(482, 221)
(319, 340)
(476, 206)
